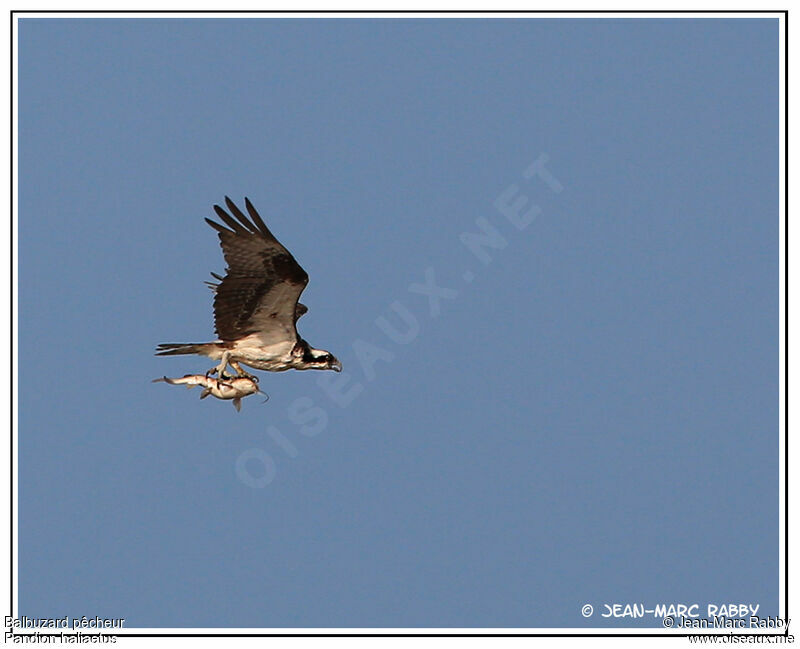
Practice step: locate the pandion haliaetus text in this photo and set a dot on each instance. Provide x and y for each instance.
(256, 304)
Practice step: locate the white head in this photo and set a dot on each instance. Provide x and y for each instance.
(306, 357)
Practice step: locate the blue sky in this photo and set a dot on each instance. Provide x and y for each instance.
(591, 418)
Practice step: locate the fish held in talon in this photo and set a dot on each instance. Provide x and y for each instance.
(228, 388)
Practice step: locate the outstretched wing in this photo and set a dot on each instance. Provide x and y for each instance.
(262, 283)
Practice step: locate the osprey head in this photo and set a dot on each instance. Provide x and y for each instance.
(308, 358)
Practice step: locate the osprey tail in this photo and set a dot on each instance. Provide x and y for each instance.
(174, 349)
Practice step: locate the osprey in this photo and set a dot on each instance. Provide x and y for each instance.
(256, 304)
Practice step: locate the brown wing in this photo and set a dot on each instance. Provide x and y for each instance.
(262, 283)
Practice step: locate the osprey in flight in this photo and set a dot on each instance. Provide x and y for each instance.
(256, 304)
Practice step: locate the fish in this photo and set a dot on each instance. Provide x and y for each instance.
(228, 388)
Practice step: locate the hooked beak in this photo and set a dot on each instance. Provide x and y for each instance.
(337, 366)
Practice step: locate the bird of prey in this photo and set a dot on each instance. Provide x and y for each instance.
(256, 304)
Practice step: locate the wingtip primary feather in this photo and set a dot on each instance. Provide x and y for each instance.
(240, 216)
(259, 223)
(217, 226)
(232, 223)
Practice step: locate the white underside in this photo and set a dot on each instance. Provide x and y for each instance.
(252, 352)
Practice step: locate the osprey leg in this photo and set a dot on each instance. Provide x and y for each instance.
(241, 372)
(223, 364)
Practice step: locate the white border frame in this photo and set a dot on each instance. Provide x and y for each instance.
(581, 631)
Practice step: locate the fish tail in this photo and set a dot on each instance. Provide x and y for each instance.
(165, 379)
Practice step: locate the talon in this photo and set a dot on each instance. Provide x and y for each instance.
(223, 364)
(239, 371)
